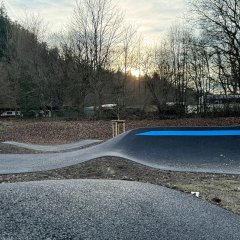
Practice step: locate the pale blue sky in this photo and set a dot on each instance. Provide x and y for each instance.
(153, 17)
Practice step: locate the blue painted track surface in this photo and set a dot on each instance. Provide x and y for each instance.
(218, 152)
(189, 133)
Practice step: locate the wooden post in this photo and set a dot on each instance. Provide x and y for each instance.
(113, 129)
(124, 126)
(118, 127)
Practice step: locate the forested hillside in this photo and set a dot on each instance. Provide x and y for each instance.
(101, 59)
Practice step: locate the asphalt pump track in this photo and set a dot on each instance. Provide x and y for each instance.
(199, 149)
(102, 209)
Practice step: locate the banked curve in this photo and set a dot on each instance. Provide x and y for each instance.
(209, 149)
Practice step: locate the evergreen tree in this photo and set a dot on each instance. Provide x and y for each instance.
(5, 28)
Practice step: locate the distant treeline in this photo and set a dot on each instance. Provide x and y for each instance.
(100, 59)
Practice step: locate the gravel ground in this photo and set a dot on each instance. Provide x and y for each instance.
(61, 132)
(223, 190)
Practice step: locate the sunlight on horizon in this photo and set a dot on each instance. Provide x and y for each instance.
(136, 72)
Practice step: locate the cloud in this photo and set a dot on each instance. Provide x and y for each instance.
(38, 4)
(152, 17)
(55, 13)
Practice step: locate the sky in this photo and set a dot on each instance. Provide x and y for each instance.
(152, 17)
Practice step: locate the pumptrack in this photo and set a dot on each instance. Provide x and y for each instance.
(104, 209)
(198, 149)
(54, 148)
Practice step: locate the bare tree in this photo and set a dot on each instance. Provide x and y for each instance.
(160, 84)
(35, 24)
(200, 74)
(178, 42)
(220, 22)
(96, 30)
(76, 77)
